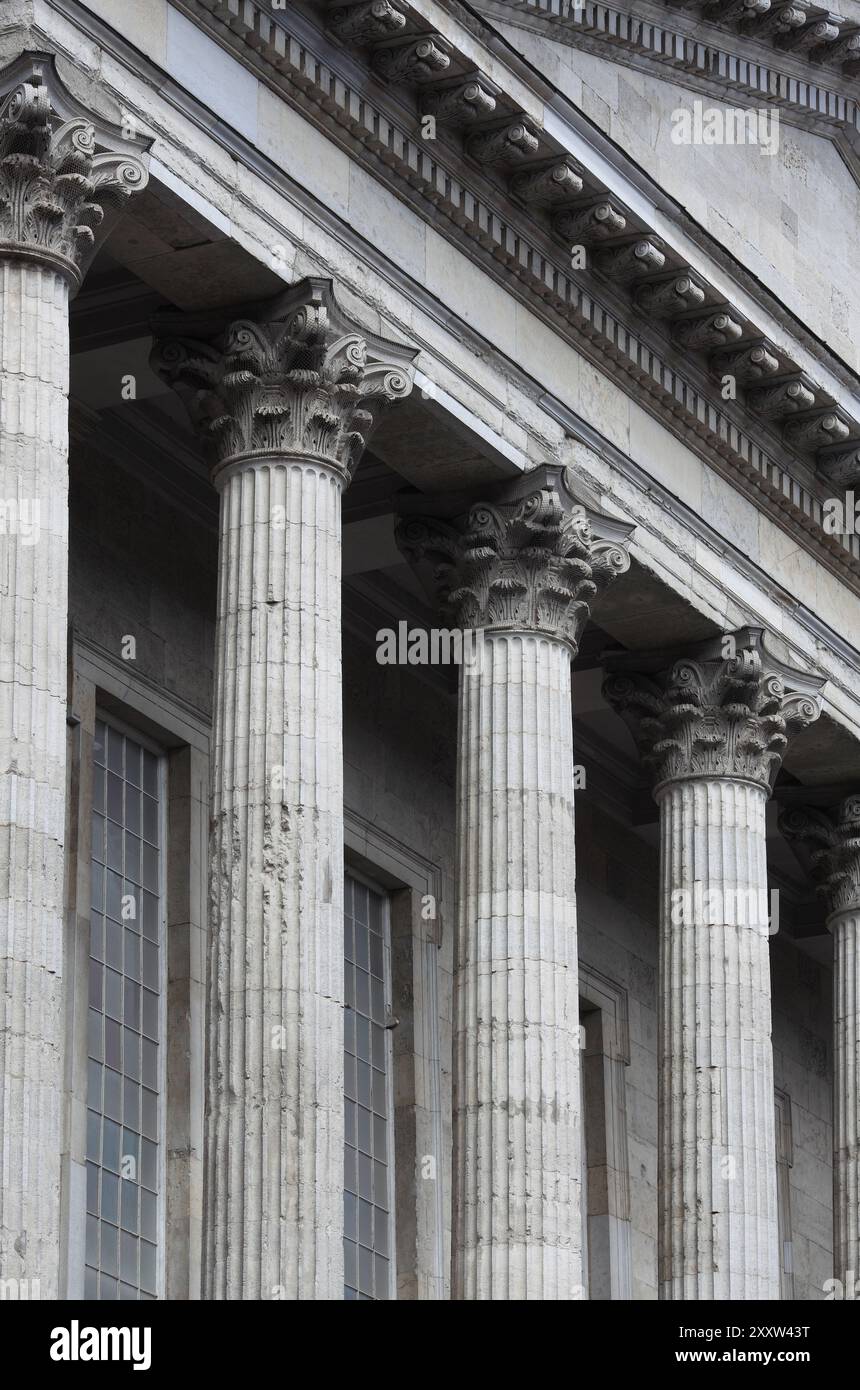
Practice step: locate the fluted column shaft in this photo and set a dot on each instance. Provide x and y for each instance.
(34, 365)
(717, 1193)
(274, 1165)
(285, 400)
(845, 927)
(59, 175)
(518, 571)
(516, 1042)
(713, 723)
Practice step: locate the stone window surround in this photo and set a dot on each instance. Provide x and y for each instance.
(390, 1250)
(419, 1201)
(606, 1054)
(102, 682)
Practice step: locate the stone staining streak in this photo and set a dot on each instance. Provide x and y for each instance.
(57, 181)
(375, 20)
(459, 104)
(708, 330)
(555, 183)
(712, 730)
(523, 569)
(594, 223)
(832, 842)
(507, 145)
(417, 60)
(284, 399)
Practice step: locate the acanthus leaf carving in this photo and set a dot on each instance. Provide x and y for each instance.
(61, 174)
(829, 841)
(295, 378)
(706, 714)
(529, 560)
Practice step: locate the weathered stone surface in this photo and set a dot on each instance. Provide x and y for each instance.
(56, 178)
(832, 840)
(522, 569)
(284, 402)
(61, 176)
(712, 727)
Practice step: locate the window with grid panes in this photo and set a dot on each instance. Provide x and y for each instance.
(368, 1100)
(124, 1089)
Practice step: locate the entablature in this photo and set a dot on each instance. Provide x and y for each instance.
(500, 173)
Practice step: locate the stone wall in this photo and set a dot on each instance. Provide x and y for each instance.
(143, 568)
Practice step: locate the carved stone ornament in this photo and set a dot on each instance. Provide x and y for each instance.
(64, 175)
(829, 843)
(528, 559)
(841, 465)
(707, 714)
(290, 376)
(367, 20)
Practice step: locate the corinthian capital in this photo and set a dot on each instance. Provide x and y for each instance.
(289, 376)
(724, 708)
(828, 843)
(529, 558)
(64, 173)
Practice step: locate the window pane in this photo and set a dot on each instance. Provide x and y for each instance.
(367, 1104)
(126, 945)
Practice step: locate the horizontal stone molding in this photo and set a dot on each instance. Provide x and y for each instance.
(712, 59)
(518, 250)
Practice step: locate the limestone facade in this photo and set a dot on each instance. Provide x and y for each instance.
(430, 700)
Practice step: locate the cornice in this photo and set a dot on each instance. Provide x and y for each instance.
(377, 123)
(789, 503)
(730, 61)
(628, 266)
(819, 37)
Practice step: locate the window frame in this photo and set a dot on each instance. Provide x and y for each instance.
(104, 686)
(422, 1080)
(114, 721)
(603, 1014)
(387, 999)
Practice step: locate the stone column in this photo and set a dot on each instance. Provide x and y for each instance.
(60, 171)
(712, 726)
(519, 574)
(285, 397)
(832, 841)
